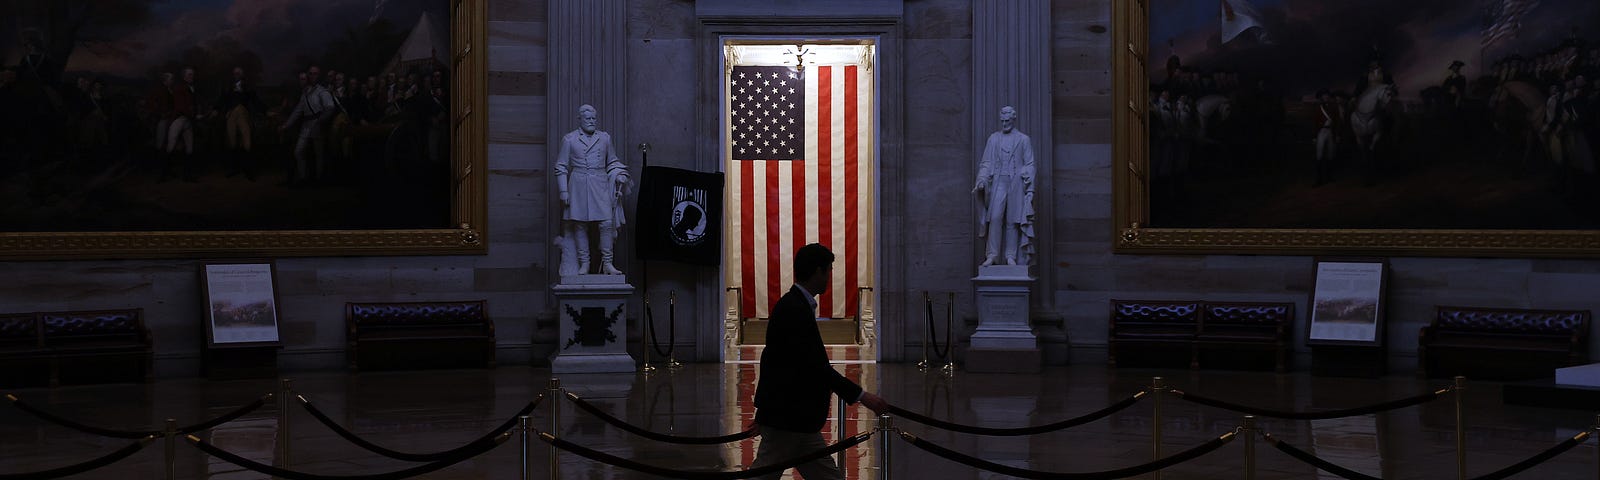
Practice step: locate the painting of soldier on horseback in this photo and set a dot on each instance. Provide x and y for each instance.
(1372, 114)
(147, 115)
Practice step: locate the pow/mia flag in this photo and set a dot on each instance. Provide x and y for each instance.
(680, 216)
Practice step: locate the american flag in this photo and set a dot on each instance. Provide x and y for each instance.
(1505, 18)
(799, 150)
(767, 109)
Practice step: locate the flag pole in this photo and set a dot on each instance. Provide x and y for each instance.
(644, 268)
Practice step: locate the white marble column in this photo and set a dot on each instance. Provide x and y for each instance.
(1011, 66)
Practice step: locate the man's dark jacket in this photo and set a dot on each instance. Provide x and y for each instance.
(796, 379)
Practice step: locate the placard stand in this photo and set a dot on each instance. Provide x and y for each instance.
(241, 320)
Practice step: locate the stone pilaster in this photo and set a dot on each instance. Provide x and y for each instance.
(588, 64)
(1011, 66)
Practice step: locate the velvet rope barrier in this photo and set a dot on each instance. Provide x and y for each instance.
(478, 447)
(1500, 474)
(672, 331)
(1316, 461)
(226, 417)
(1323, 415)
(616, 461)
(932, 338)
(1180, 457)
(108, 459)
(134, 434)
(1542, 457)
(407, 456)
(1011, 432)
(659, 437)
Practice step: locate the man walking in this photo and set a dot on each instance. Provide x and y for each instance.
(796, 379)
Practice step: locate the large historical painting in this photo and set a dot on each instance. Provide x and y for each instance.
(1424, 127)
(287, 127)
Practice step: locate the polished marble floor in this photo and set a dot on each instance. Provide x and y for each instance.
(435, 410)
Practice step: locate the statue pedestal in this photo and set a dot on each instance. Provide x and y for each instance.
(593, 325)
(1004, 342)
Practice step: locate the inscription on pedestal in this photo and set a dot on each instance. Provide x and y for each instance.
(1003, 313)
(1006, 309)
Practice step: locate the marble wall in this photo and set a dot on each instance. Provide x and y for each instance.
(663, 81)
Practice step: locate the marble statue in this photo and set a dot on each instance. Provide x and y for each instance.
(1005, 194)
(591, 180)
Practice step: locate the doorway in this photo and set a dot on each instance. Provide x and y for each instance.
(799, 122)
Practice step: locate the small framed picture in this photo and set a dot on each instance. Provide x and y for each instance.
(1347, 302)
(241, 304)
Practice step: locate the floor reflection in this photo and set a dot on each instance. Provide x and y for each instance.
(436, 410)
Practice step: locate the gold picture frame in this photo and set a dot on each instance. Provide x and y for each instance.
(1131, 228)
(464, 234)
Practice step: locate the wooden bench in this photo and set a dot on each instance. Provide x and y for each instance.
(1229, 327)
(1159, 327)
(1198, 331)
(1502, 343)
(93, 346)
(413, 335)
(22, 358)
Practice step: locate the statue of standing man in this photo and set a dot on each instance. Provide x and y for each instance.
(1005, 194)
(591, 180)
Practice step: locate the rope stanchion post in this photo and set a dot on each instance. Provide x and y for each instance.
(922, 366)
(170, 438)
(949, 330)
(838, 430)
(644, 338)
(886, 433)
(1249, 432)
(672, 329)
(555, 395)
(285, 395)
(1461, 430)
(523, 431)
(1159, 389)
(738, 309)
(1597, 447)
(861, 295)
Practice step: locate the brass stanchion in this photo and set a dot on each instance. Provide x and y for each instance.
(1159, 391)
(522, 421)
(1461, 430)
(838, 429)
(922, 366)
(1249, 433)
(285, 397)
(171, 434)
(1597, 447)
(738, 308)
(886, 433)
(949, 335)
(672, 350)
(861, 295)
(644, 337)
(555, 396)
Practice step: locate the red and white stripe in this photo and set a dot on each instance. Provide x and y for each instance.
(777, 206)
